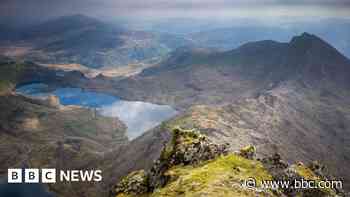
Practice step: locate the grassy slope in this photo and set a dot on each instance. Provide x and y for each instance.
(220, 177)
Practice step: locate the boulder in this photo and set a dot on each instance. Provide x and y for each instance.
(135, 183)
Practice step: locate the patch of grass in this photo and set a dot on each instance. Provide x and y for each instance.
(220, 177)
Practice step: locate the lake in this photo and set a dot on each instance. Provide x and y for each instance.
(138, 116)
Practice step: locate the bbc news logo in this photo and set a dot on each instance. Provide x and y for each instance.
(52, 175)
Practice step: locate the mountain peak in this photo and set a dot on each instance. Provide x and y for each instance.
(304, 36)
(307, 40)
(313, 47)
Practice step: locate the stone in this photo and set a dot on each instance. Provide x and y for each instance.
(135, 183)
(248, 152)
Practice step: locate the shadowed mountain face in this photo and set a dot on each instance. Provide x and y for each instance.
(87, 41)
(290, 98)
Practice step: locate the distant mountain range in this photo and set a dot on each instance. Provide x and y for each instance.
(87, 41)
(232, 37)
(84, 40)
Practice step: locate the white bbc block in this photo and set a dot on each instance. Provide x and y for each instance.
(48, 175)
(31, 175)
(14, 175)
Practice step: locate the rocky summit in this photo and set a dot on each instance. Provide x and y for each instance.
(192, 165)
(187, 147)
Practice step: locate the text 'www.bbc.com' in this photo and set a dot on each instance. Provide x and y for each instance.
(251, 183)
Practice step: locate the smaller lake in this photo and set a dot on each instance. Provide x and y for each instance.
(138, 116)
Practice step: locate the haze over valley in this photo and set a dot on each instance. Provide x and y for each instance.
(172, 99)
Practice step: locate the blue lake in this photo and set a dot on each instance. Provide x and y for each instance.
(138, 116)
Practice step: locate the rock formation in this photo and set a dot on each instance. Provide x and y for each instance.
(192, 165)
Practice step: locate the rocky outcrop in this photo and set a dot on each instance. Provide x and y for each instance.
(190, 147)
(248, 152)
(315, 171)
(135, 183)
(192, 165)
(187, 147)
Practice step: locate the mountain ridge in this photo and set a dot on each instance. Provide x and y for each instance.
(90, 42)
(253, 65)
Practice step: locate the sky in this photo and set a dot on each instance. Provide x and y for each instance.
(12, 11)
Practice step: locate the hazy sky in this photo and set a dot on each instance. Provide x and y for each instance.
(21, 10)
